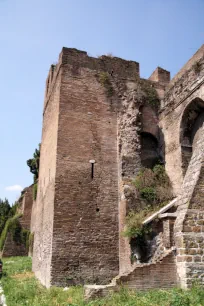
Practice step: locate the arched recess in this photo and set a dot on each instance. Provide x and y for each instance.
(149, 150)
(191, 123)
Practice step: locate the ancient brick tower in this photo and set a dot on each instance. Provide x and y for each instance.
(76, 232)
(100, 126)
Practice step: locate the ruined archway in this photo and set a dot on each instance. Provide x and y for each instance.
(192, 120)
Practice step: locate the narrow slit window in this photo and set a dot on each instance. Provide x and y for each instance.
(92, 171)
(92, 162)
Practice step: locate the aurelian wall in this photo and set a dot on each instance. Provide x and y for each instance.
(85, 234)
(43, 208)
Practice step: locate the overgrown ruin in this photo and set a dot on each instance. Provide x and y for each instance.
(102, 126)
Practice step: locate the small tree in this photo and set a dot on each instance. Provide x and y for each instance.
(34, 165)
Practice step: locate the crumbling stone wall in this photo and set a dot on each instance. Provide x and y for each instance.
(161, 274)
(137, 118)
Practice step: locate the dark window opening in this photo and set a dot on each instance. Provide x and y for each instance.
(149, 150)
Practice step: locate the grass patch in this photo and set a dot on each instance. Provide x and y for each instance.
(22, 289)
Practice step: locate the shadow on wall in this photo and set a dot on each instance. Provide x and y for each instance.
(151, 151)
(192, 121)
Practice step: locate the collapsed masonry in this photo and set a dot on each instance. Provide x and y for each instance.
(101, 124)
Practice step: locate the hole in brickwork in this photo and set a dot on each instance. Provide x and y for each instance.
(92, 171)
(149, 150)
(97, 209)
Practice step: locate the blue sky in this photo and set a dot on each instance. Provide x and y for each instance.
(155, 33)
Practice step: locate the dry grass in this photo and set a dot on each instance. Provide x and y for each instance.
(23, 276)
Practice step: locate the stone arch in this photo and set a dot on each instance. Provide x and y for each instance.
(190, 128)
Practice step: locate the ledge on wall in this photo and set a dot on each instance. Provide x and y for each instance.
(160, 212)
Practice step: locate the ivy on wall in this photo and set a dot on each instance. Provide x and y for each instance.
(18, 234)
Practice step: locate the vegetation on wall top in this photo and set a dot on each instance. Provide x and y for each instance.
(34, 165)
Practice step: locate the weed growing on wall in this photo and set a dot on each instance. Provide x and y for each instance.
(104, 79)
(154, 188)
(197, 67)
(134, 227)
(149, 92)
(154, 185)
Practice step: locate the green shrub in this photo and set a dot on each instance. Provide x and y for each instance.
(155, 189)
(134, 227)
(154, 185)
(149, 194)
(150, 93)
(180, 299)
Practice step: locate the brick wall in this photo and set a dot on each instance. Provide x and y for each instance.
(155, 275)
(43, 208)
(85, 236)
(26, 207)
(75, 217)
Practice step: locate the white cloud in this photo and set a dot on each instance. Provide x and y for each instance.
(14, 188)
